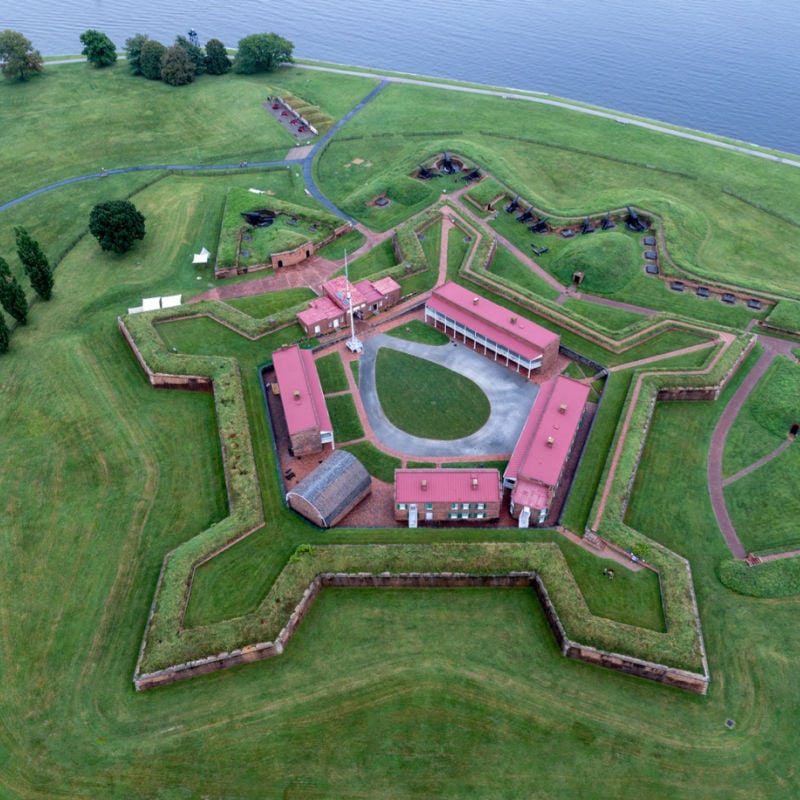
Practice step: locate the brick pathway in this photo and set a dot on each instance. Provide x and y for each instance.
(772, 348)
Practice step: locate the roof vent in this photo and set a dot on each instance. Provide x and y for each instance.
(475, 300)
(563, 408)
(474, 482)
(550, 441)
(296, 394)
(513, 320)
(424, 484)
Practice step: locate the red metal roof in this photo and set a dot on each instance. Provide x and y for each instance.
(336, 289)
(386, 286)
(544, 444)
(447, 485)
(491, 320)
(301, 392)
(320, 310)
(368, 292)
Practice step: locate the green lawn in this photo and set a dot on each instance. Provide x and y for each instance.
(417, 396)
(261, 306)
(331, 373)
(417, 331)
(344, 417)
(390, 693)
(764, 421)
(379, 464)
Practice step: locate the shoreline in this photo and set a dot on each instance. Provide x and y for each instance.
(527, 95)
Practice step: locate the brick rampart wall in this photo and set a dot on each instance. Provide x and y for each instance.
(682, 679)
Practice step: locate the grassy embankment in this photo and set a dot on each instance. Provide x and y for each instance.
(388, 690)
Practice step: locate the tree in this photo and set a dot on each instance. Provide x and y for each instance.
(12, 298)
(262, 52)
(217, 61)
(99, 50)
(150, 59)
(18, 59)
(37, 268)
(196, 55)
(5, 335)
(177, 68)
(116, 224)
(133, 52)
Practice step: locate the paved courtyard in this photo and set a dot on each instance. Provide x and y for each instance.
(510, 397)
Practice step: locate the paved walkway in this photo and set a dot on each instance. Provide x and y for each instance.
(772, 348)
(510, 397)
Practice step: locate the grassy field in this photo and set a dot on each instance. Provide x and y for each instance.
(395, 693)
(416, 395)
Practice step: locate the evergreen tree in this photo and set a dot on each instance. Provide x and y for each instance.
(133, 52)
(177, 68)
(150, 59)
(37, 268)
(5, 334)
(217, 61)
(12, 298)
(196, 55)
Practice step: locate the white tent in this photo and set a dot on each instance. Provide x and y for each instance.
(171, 301)
(151, 303)
(201, 257)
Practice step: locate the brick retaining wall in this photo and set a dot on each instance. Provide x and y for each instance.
(682, 679)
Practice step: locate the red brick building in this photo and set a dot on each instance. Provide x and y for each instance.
(302, 400)
(537, 464)
(330, 312)
(491, 329)
(434, 495)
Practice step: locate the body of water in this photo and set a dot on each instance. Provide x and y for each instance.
(729, 68)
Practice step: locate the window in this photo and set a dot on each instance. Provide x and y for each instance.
(465, 515)
(401, 506)
(428, 506)
(452, 515)
(481, 506)
(480, 515)
(454, 506)
(465, 507)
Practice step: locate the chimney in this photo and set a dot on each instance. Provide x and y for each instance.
(474, 482)
(550, 441)
(563, 408)
(424, 484)
(296, 394)
(475, 300)
(513, 320)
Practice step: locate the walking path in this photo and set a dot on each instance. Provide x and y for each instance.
(772, 348)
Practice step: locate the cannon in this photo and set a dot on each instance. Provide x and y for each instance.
(475, 175)
(587, 227)
(446, 166)
(513, 205)
(608, 224)
(259, 219)
(541, 226)
(527, 216)
(633, 222)
(424, 173)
